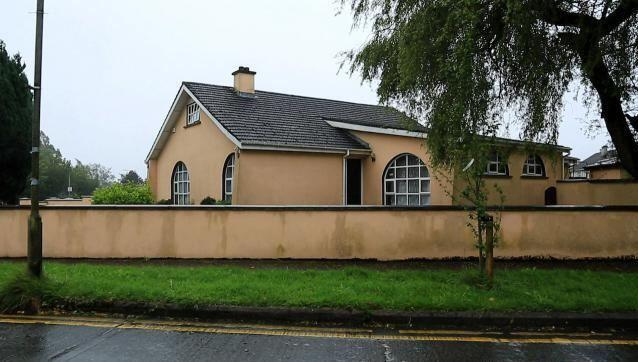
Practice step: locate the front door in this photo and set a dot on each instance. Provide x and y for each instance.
(353, 181)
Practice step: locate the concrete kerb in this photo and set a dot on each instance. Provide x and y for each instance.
(627, 321)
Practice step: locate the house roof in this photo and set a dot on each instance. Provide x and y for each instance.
(269, 120)
(599, 159)
(276, 119)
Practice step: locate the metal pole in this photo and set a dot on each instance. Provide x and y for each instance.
(34, 249)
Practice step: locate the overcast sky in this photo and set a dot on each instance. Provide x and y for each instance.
(112, 68)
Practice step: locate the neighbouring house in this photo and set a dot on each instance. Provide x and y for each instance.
(569, 165)
(603, 165)
(252, 147)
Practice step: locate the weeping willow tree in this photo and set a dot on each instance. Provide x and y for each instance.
(467, 68)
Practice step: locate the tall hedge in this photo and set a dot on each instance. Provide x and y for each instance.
(16, 110)
(123, 194)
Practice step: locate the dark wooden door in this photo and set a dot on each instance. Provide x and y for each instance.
(353, 182)
(550, 196)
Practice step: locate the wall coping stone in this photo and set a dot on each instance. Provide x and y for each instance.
(553, 208)
(599, 181)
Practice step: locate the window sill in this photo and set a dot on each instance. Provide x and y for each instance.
(532, 177)
(192, 124)
(496, 176)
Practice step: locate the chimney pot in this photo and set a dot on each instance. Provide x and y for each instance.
(244, 80)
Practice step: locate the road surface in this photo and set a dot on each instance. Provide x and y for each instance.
(103, 339)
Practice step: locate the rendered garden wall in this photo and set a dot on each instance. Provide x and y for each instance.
(317, 232)
(597, 192)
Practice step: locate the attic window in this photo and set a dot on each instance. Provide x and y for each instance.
(192, 114)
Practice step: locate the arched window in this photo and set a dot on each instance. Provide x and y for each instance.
(533, 166)
(406, 181)
(181, 185)
(497, 165)
(227, 178)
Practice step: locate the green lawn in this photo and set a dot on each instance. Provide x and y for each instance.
(348, 288)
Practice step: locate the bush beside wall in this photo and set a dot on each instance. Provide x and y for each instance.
(123, 194)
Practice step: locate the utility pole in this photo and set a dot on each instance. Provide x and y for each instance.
(34, 249)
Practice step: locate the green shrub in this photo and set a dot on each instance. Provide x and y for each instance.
(208, 201)
(123, 194)
(211, 201)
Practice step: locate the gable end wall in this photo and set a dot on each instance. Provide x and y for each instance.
(203, 148)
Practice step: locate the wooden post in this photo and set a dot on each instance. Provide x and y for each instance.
(481, 246)
(489, 249)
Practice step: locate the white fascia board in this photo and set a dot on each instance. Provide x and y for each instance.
(165, 123)
(165, 126)
(232, 138)
(389, 131)
(304, 149)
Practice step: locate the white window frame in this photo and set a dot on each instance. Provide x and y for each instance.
(192, 113)
(494, 164)
(180, 182)
(581, 173)
(227, 193)
(534, 163)
(422, 177)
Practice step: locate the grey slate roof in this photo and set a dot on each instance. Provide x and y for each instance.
(598, 159)
(275, 119)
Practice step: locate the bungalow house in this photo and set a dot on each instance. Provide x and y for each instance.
(603, 165)
(254, 147)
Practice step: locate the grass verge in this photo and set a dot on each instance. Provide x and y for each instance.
(358, 288)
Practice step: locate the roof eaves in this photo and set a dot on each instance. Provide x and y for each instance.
(374, 129)
(158, 137)
(416, 127)
(252, 145)
(609, 162)
(530, 143)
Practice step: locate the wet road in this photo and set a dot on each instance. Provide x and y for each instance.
(98, 339)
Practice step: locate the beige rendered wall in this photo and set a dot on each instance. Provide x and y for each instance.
(311, 178)
(151, 177)
(85, 200)
(519, 189)
(289, 178)
(609, 173)
(203, 148)
(387, 147)
(333, 233)
(583, 192)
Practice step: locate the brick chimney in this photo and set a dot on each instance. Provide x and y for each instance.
(244, 81)
(603, 151)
